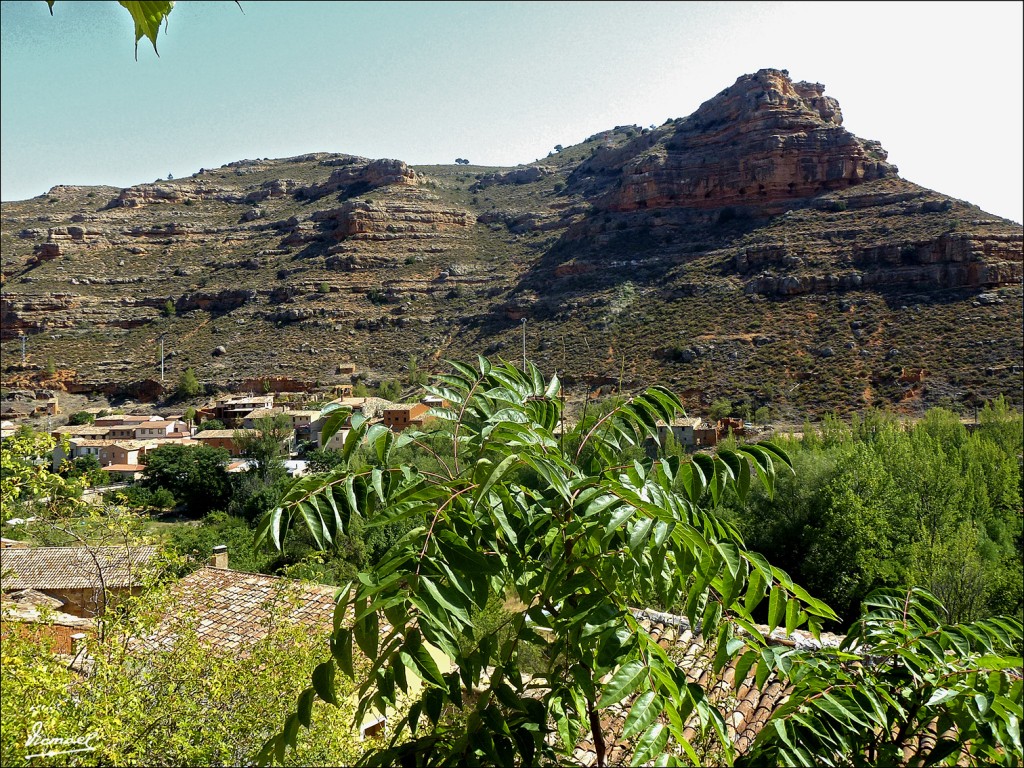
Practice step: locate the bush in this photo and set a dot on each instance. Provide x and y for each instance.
(390, 390)
(81, 418)
(721, 409)
(188, 384)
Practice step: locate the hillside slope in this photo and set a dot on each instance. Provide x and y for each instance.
(755, 250)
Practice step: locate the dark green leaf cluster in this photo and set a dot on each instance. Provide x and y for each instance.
(903, 688)
(546, 518)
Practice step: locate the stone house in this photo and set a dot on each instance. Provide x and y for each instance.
(83, 579)
(124, 473)
(400, 417)
(706, 435)
(232, 410)
(121, 452)
(123, 419)
(229, 610)
(219, 438)
(154, 429)
(88, 431)
(683, 430)
(32, 614)
(251, 419)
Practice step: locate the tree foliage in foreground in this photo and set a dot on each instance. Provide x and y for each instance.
(903, 682)
(523, 511)
(181, 704)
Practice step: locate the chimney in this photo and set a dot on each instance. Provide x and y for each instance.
(219, 558)
(77, 643)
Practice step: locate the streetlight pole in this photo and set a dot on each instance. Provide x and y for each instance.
(524, 344)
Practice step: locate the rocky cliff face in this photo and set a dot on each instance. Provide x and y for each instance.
(755, 249)
(760, 144)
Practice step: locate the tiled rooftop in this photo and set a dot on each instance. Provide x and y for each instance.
(71, 567)
(745, 710)
(229, 609)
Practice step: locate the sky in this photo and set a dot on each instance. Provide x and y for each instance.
(499, 83)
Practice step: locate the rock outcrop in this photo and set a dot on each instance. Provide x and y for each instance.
(391, 220)
(759, 144)
(358, 176)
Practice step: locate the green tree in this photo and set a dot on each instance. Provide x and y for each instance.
(323, 460)
(194, 474)
(266, 445)
(153, 706)
(87, 468)
(720, 409)
(188, 384)
(80, 418)
(576, 537)
(390, 390)
(210, 424)
(26, 482)
(414, 374)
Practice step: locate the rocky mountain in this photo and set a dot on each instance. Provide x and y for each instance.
(755, 251)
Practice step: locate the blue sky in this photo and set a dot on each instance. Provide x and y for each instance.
(939, 84)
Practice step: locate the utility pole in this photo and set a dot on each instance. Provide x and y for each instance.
(524, 344)
(23, 350)
(162, 358)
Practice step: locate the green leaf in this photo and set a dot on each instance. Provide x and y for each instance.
(305, 708)
(622, 683)
(416, 655)
(341, 649)
(336, 418)
(776, 608)
(367, 634)
(650, 744)
(792, 616)
(644, 711)
(148, 15)
(941, 696)
(323, 682)
(743, 667)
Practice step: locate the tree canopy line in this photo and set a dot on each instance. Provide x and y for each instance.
(519, 546)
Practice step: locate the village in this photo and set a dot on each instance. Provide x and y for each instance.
(119, 441)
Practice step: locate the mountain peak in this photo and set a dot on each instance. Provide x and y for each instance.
(771, 90)
(761, 145)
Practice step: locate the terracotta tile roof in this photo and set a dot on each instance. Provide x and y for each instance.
(214, 434)
(745, 710)
(83, 442)
(81, 429)
(71, 567)
(228, 609)
(124, 468)
(263, 413)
